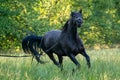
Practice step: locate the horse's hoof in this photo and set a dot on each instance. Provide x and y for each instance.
(41, 62)
(73, 70)
(89, 65)
(61, 69)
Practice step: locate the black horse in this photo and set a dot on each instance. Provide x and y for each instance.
(65, 42)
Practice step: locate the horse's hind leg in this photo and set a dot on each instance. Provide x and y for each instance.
(53, 59)
(87, 58)
(60, 61)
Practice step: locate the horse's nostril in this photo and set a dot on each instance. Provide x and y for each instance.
(80, 21)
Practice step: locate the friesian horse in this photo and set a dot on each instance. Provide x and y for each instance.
(65, 42)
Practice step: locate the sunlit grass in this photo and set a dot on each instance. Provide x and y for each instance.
(105, 66)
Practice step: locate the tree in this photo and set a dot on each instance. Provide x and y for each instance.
(20, 17)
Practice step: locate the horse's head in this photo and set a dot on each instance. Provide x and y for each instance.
(76, 18)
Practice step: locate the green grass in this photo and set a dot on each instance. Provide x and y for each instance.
(105, 66)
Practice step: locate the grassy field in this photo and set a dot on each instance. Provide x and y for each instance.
(105, 66)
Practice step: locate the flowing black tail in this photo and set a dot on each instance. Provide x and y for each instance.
(29, 45)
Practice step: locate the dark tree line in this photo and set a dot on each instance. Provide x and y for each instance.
(19, 18)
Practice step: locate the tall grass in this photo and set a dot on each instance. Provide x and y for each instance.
(105, 66)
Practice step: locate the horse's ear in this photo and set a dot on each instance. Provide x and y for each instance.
(80, 11)
(72, 13)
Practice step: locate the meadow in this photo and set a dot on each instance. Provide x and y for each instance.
(105, 66)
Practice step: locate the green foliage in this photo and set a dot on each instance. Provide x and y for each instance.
(102, 21)
(19, 18)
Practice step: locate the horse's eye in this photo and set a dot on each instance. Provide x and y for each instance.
(74, 16)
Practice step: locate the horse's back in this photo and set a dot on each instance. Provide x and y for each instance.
(51, 37)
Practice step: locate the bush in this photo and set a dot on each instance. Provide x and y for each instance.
(19, 18)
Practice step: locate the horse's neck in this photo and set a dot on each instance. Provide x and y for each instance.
(72, 31)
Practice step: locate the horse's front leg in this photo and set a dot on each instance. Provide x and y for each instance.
(87, 57)
(72, 57)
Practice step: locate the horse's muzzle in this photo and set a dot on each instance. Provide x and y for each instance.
(78, 23)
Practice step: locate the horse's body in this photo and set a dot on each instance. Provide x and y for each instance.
(65, 42)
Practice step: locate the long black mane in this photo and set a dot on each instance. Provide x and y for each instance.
(64, 28)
